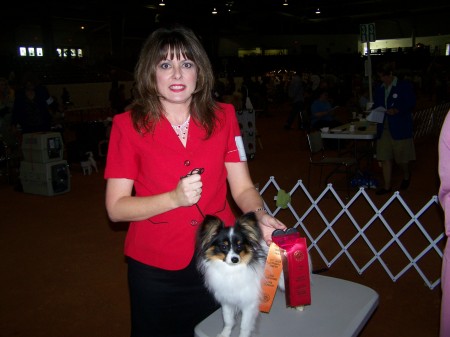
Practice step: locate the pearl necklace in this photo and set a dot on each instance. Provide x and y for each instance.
(182, 129)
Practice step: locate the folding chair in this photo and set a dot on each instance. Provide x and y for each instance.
(318, 158)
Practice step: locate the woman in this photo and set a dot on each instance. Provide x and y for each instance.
(169, 160)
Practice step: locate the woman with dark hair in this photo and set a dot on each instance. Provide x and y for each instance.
(169, 160)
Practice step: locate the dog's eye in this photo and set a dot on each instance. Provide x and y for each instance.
(239, 247)
(223, 247)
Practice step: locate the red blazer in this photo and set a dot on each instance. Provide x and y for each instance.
(156, 161)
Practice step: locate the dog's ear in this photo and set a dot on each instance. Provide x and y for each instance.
(249, 217)
(249, 225)
(209, 228)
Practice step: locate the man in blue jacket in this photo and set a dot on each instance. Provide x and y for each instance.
(395, 133)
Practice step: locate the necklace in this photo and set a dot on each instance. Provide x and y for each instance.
(182, 129)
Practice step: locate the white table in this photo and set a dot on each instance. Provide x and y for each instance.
(368, 134)
(343, 131)
(339, 308)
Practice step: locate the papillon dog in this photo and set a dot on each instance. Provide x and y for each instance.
(232, 261)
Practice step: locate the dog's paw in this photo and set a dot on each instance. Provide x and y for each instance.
(226, 332)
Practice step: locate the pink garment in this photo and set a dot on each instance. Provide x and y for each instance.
(444, 199)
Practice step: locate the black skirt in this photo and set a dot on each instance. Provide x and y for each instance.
(165, 302)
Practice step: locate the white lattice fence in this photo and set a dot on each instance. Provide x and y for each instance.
(399, 240)
(428, 122)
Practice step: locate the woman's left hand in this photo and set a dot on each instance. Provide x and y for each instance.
(268, 224)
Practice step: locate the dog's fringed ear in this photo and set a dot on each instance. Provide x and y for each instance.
(249, 224)
(209, 228)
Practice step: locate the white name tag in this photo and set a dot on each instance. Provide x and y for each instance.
(240, 147)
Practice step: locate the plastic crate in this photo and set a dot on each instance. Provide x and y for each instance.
(42, 147)
(45, 178)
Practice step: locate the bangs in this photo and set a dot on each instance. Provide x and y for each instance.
(172, 48)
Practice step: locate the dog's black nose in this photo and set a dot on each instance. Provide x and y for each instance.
(234, 259)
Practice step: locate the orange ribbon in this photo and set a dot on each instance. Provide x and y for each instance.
(272, 272)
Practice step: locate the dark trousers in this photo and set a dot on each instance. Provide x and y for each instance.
(167, 303)
(297, 107)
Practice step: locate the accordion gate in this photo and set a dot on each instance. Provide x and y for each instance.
(372, 239)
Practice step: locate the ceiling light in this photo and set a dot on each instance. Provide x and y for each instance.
(318, 10)
(162, 3)
(214, 11)
(285, 3)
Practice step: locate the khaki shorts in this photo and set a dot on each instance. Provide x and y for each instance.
(402, 150)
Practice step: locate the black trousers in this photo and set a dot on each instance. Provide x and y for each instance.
(167, 303)
(296, 108)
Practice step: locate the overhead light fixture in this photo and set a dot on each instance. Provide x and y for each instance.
(318, 10)
(162, 3)
(214, 11)
(285, 3)
(228, 5)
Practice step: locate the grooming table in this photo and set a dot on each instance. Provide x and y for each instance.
(338, 308)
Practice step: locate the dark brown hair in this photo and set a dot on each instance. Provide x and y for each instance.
(146, 108)
(386, 69)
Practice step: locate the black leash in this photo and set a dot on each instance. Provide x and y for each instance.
(196, 171)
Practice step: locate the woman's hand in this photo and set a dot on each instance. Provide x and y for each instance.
(189, 190)
(268, 224)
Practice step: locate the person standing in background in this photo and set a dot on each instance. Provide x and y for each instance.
(444, 199)
(117, 97)
(66, 100)
(6, 97)
(31, 112)
(395, 134)
(296, 95)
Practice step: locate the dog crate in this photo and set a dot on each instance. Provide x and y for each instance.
(42, 147)
(246, 120)
(45, 178)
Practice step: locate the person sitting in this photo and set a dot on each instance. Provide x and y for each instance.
(322, 113)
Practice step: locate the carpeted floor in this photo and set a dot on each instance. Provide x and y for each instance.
(64, 275)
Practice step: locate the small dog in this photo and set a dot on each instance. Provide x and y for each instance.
(232, 261)
(89, 163)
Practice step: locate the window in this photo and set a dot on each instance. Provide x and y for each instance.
(22, 51)
(61, 52)
(31, 51)
(70, 52)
